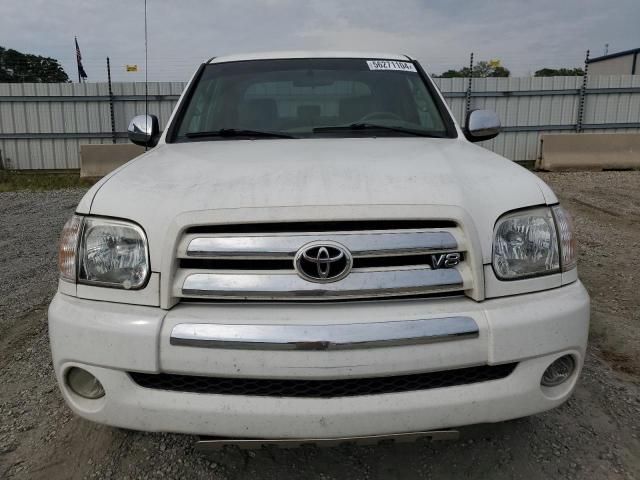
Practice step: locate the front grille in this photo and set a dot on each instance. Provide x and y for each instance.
(258, 261)
(350, 387)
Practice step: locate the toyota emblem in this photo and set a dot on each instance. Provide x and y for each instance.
(323, 262)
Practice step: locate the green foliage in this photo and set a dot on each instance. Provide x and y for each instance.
(482, 69)
(463, 72)
(17, 67)
(559, 72)
(11, 181)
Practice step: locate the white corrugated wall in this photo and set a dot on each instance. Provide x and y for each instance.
(43, 125)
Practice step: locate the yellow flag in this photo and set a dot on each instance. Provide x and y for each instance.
(131, 68)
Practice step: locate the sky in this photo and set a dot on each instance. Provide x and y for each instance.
(524, 35)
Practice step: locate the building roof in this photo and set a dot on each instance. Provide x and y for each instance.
(614, 55)
(308, 54)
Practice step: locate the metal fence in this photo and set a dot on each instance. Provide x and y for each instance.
(42, 125)
(530, 106)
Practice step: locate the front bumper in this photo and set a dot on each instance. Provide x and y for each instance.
(110, 340)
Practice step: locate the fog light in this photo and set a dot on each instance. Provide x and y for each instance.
(84, 384)
(559, 371)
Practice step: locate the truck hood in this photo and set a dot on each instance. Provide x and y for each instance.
(250, 176)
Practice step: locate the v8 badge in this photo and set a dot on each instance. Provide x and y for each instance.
(445, 260)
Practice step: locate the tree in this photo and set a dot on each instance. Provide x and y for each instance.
(559, 72)
(20, 67)
(492, 68)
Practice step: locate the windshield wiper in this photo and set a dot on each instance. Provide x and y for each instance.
(234, 132)
(374, 126)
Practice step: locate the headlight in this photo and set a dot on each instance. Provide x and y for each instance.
(105, 252)
(525, 244)
(533, 242)
(113, 253)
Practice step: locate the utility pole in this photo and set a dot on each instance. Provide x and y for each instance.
(583, 93)
(146, 70)
(468, 94)
(113, 121)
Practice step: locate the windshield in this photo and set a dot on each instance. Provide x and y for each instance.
(305, 98)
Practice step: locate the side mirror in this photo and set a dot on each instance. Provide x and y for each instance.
(482, 125)
(144, 130)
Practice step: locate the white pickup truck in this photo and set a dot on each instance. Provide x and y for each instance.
(315, 249)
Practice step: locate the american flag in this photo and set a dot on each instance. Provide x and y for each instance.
(81, 72)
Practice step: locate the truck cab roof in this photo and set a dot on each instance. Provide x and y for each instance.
(307, 54)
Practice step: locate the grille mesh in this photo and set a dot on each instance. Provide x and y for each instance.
(322, 388)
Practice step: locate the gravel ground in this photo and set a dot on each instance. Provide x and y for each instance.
(594, 435)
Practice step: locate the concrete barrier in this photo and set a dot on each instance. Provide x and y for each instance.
(98, 160)
(589, 151)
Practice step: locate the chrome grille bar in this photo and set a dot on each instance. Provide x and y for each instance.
(285, 246)
(324, 337)
(358, 284)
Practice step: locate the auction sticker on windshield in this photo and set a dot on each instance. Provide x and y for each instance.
(391, 65)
